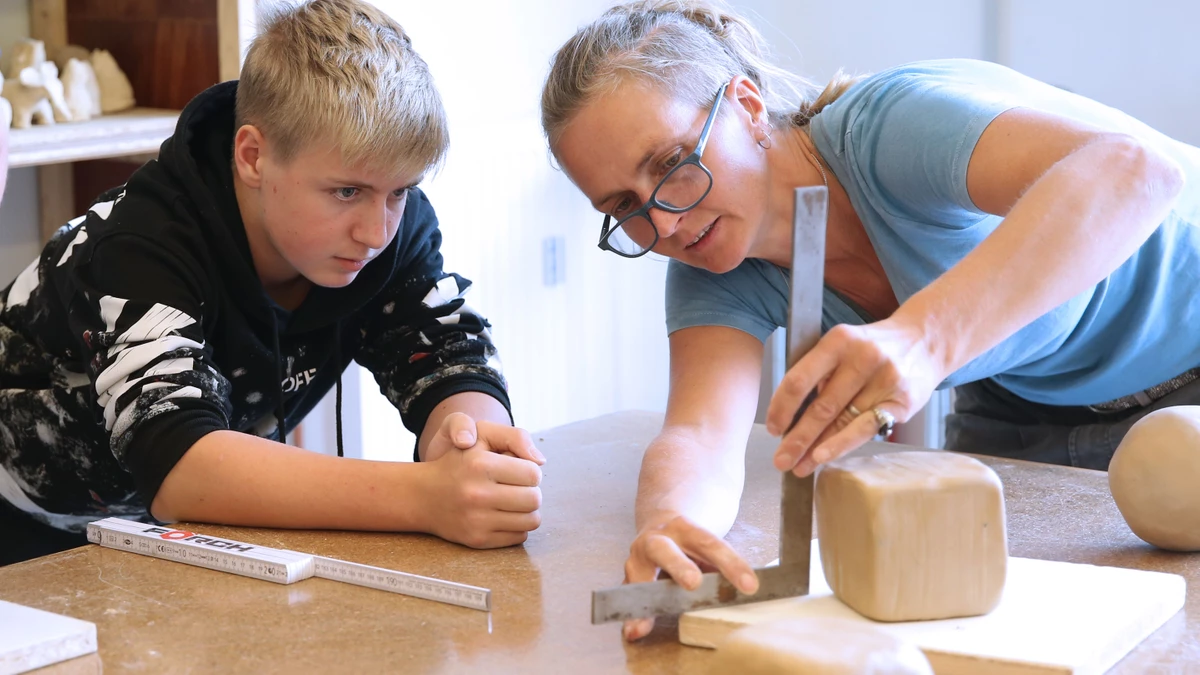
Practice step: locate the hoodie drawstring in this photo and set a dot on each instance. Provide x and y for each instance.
(337, 362)
(337, 355)
(278, 378)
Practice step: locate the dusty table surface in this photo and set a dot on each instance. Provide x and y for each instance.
(160, 616)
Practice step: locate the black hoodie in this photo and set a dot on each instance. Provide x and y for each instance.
(143, 326)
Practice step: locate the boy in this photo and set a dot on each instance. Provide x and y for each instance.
(155, 356)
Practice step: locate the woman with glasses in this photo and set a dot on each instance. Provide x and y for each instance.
(1035, 249)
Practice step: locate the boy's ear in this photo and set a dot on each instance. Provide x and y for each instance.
(248, 151)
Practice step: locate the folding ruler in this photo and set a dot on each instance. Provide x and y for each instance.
(272, 564)
(790, 577)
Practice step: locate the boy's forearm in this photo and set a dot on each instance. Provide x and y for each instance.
(477, 405)
(233, 478)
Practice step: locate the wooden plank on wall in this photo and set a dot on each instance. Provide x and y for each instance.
(56, 198)
(48, 22)
(236, 25)
(168, 48)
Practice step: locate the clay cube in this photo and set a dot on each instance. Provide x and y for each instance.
(912, 536)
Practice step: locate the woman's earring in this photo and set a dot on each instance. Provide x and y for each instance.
(765, 141)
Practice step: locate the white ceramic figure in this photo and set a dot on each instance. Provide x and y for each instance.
(30, 100)
(62, 55)
(81, 90)
(116, 93)
(54, 91)
(6, 114)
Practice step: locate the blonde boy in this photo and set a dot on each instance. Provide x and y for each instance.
(156, 355)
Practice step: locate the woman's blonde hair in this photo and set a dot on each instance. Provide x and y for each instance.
(342, 71)
(688, 47)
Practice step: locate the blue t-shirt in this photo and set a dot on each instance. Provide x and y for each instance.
(899, 143)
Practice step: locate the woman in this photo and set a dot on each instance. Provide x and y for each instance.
(987, 231)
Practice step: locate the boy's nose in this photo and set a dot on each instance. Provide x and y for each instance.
(371, 231)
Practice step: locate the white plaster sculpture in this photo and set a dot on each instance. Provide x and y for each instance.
(6, 114)
(81, 90)
(62, 55)
(30, 100)
(116, 93)
(54, 91)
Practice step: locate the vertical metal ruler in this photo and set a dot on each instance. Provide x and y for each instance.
(272, 564)
(790, 577)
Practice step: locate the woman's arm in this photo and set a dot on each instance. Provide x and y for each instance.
(1077, 203)
(693, 471)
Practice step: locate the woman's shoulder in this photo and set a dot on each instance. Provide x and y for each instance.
(751, 276)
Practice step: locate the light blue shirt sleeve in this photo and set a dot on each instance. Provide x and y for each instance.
(913, 135)
(752, 298)
(744, 298)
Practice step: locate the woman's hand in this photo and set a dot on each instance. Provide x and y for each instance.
(682, 550)
(886, 365)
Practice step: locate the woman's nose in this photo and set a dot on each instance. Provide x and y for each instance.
(665, 222)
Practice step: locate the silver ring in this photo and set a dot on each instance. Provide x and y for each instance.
(853, 412)
(886, 421)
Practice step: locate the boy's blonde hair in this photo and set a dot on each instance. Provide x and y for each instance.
(687, 47)
(342, 72)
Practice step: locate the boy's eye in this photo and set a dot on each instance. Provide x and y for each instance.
(345, 193)
(621, 207)
(401, 193)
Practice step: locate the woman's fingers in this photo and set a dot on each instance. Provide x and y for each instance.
(796, 384)
(862, 429)
(683, 551)
(828, 410)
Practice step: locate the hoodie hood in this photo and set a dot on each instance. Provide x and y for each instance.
(200, 157)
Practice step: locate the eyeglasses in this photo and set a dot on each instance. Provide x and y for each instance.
(682, 189)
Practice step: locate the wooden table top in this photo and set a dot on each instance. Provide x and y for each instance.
(159, 616)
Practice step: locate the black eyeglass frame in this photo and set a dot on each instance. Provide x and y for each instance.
(607, 230)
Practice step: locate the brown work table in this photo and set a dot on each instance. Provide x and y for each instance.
(158, 616)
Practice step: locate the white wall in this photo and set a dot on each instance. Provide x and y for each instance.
(587, 346)
(816, 39)
(18, 206)
(1139, 57)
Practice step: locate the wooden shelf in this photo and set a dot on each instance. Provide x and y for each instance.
(137, 131)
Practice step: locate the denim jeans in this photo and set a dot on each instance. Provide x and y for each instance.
(990, 420)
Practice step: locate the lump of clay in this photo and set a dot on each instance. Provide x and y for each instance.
(1155, 478)
(912, 536)
(116, 93)
(826, 646)
(6, 114)
(80, 89)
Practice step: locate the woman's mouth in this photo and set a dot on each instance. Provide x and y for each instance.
(703, 236)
